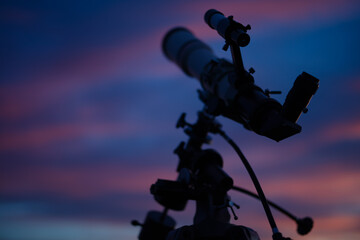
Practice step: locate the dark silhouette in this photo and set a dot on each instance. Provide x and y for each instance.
(228, 90)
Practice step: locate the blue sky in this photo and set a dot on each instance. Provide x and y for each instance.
(88, 105)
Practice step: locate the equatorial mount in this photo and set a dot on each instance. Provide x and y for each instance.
(227, 90)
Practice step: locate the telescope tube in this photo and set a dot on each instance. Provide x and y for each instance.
(188, 52)
(226, 93)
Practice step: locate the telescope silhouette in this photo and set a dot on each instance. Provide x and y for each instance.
(228, 90)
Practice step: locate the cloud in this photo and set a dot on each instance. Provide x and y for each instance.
(336, 132)
(82, 181)
(53, 134)
(45, 229)
(354, 85)
(71, 73)
(342, 131)
(281, 10)
(320, 190)
(81, 127)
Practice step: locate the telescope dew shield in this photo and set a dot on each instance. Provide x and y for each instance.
(189, 53)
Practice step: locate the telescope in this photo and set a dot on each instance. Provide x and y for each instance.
(228, 89)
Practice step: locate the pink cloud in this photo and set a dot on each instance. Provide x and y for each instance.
(275, 10)
(324, 185)
(46, 135)
(354, 85)
(263, 14)
(66, 229)
(329, 189)
(338, 223)
(334, 132)
(331, 133)
(82, 182)
(72, 72)
(346, 130)
(332, 226)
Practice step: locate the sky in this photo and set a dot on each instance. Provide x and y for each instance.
(88, 106)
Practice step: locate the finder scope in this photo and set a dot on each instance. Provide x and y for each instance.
(227, 27)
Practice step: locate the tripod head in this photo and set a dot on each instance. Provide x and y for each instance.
(200, 171)
(201, 178)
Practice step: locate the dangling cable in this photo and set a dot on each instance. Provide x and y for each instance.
(255, 181)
